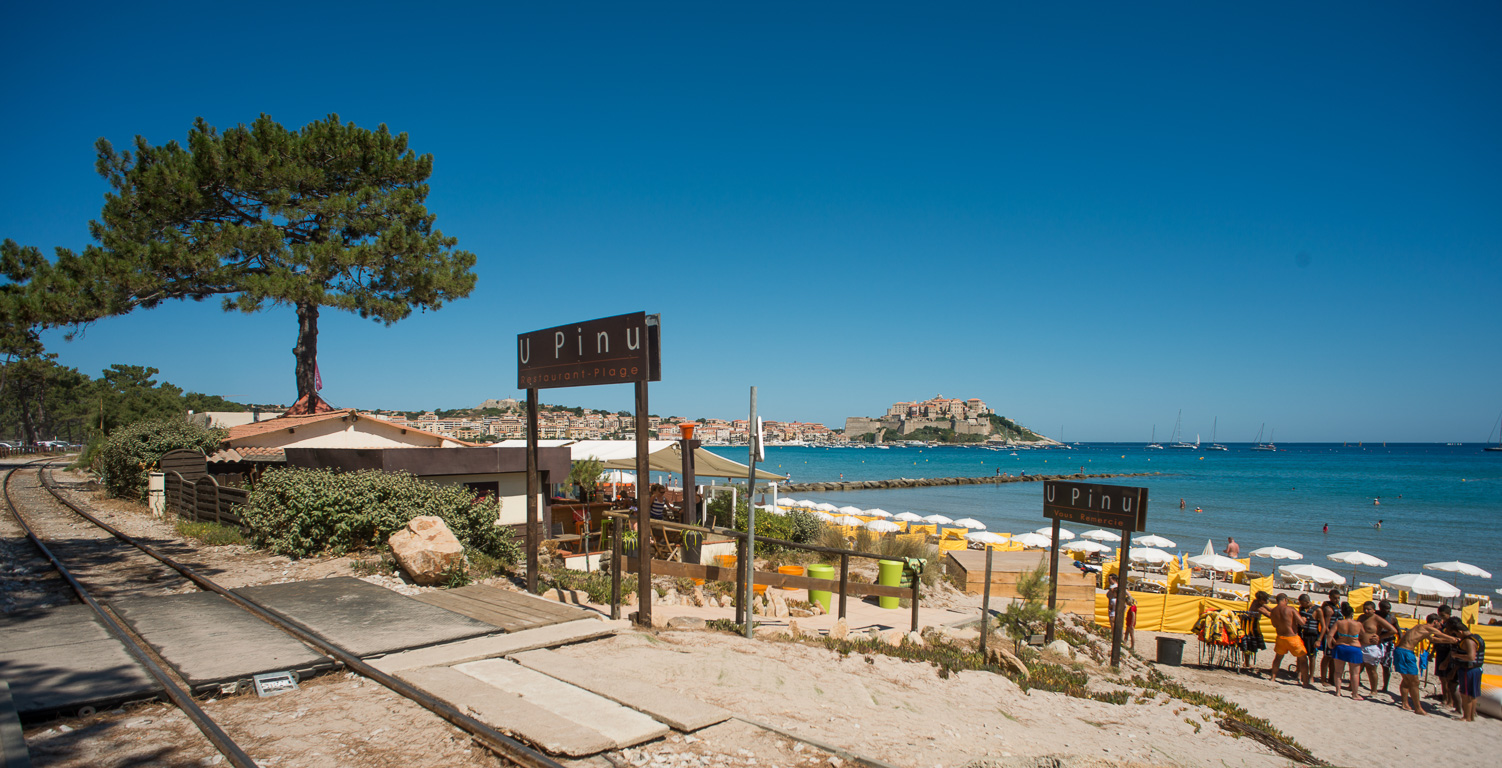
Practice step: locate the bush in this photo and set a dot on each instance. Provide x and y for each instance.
(798, 527)
(301, 512)
(133, 450)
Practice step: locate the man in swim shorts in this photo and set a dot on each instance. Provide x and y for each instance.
(1406, 661)
(1329, 614)
(1384, 609)
(1467, 660)
(1287, 624)
(1311, 631)
(1375, 630)
(1345, 644)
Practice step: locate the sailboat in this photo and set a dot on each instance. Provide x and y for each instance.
(1261, 446)
(1496, 446)
(1179, 443)
(1154, 444)
(1214, 446)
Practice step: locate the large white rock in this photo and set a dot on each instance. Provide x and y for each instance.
(426, 549)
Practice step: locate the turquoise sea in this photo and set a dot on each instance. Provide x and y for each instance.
(1437, 502)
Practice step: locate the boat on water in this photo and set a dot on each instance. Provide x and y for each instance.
(1153, 446)
(1496, 445)
(1267, 446)
(1214, 446)
(1178, 443)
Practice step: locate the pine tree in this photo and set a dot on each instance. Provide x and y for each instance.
(332, 215)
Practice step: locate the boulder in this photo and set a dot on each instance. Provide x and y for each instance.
(698, 597)
(996, 655)
(426, 549)
(840, 630)
(793, 628)
(1062, 648)
(915, 639)
(686, 622)
(779, 606)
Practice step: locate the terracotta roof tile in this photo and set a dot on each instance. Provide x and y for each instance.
(281, 422)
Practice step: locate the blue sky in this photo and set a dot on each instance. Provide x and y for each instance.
(1089, 215)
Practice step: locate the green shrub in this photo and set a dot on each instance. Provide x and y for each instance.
(798, 527)
(301, 512)
(133, 450)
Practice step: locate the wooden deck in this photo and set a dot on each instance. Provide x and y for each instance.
(511, 611)
(1076, 592)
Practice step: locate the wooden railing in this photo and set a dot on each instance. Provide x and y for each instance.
(204, 500)
(28, 450)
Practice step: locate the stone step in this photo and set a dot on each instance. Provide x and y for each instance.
(681, 712)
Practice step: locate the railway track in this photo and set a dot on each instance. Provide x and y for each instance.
(148, 569)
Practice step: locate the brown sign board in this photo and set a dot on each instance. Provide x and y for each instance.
(611, 350)
(1117, 507)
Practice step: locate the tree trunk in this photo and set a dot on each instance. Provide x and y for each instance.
(306, 350)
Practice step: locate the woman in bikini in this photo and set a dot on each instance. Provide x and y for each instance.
(1345, 643)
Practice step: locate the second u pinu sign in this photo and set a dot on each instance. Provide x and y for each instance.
(610, 350)
(1117, 507)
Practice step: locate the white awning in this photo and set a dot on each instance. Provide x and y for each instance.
(662, 456)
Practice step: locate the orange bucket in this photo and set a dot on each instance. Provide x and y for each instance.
(760, 589)
(790, 570)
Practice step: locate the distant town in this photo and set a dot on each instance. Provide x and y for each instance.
(938, 419)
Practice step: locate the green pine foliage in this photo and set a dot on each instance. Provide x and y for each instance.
(302, 512)
(1030, 613)
(331, 215)
(133, 450)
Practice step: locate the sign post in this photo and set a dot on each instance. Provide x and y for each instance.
(623, 349)
(1106, 506)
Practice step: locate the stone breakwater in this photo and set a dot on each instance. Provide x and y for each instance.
(930, 482)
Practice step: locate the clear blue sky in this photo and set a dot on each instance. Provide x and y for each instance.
(1089, 215)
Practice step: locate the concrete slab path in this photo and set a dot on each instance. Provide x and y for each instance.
(496, 646)
(58, 660)
(681, 712)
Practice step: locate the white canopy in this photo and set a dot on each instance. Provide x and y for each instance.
(1148, 555)
(1358, 558)
(908, 517)
(1419, 584)
(848, 520)
(1032, 540)
(883, 526)
(1154, 541)
(1084, 545)
(1276, 553)
(1455, 566)
(1064, 533)
(849, 510)
(938, 520)
(1101, 535)
(1310, 572)
(971, 523)
(878, 512)
(1216, 562)
(825, 506)
(986, 537)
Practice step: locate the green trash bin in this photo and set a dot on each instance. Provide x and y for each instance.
(889, 575)
(820, 571)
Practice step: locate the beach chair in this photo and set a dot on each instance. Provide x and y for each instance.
(960, 532)
(664, 548)
(927, 529)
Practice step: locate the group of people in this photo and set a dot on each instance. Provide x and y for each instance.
(1352, 644)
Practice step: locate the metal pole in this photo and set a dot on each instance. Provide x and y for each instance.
(1053, 579)
(643, 513)
(534, 487)
(616, 524)
(750, 563)
(1121, 597)
(985, 605)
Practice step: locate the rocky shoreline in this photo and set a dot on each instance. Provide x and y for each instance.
(929, 482)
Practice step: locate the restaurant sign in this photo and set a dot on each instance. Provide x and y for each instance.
(1116, 507)
(610, 350)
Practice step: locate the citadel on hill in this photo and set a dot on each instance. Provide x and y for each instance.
(940, 418)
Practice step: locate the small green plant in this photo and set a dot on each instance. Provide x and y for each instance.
(1028, 615)
(455, 576)
(212, 534)
(595, 584)
(373, 566)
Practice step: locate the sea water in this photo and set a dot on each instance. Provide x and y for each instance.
(1435, 502)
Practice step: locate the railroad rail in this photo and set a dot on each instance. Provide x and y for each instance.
(499, 743)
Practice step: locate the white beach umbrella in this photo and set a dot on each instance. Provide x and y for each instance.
(1358, 558)
(1064, 533)
(618, 476)
(1209, 548)
(883, 526)
(1455, 566)
(986, 537)
(822, 515)
(827, 507)
(1216, 564)
(1276, 553)
(849, 509)
(907, 517)
(1101, 535)
(1148, 555)
(805, 503)
(1084, 545)
(1311, 572)
(1154, 541)
(779, 511)
(1419, 584)
(1032, 540)
(937, 520)
(848, 520)
(971, 523)
(878, 512)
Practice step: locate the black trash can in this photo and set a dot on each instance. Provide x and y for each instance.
(1171, 651)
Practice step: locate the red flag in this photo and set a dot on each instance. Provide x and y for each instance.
(317, 378)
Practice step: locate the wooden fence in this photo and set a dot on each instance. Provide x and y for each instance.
(28, 450)
(204, 499)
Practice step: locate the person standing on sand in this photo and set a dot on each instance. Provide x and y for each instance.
(1375, 630)
(1252, 641)
(1384, 610)
(1329, 612)
(1406, 661)
(1288, 626)
(1312, 630)
(1233, 550)
(1345, 642)
(1468, 659)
